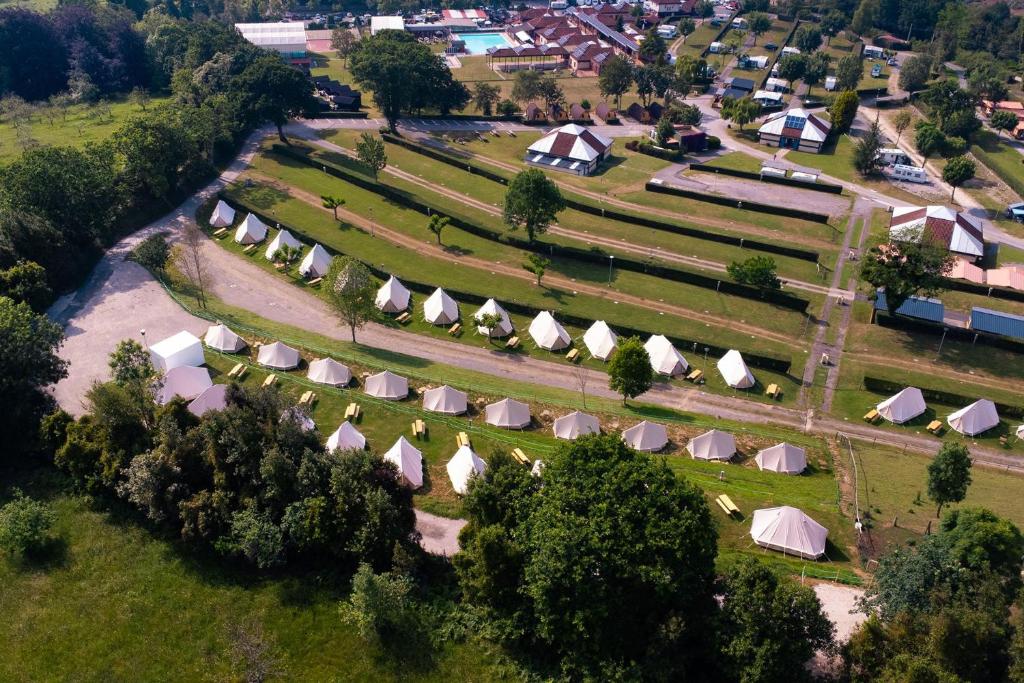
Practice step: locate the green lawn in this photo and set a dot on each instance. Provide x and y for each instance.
(1004, 161)
(737, 161)
(698, 41)
(83, 124)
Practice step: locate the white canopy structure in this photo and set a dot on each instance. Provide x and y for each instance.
(508, 413)
(902, 407)
(392, 297)
(283, 238)
(316, 263)
(222, 216)
(185, 381)
(278, 356)
(445, 400)
(329, 371)
(664, 358)
(600, 340)
(346, 437)
(783, 458)
(574, 424)
(387, 385)
(221, 338)
(251, 231)
(646, 436)
(547, 333)
(408, 460)
(713, 445)
(440, 309)
(213, 398)
(735, 371)
(976, 418)
(491, 307)
(463, 465)
(183, 348)
(789, 530)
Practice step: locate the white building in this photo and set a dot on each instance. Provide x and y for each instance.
(378, 24)
(796, 129)
(285, 37)
(958, 232)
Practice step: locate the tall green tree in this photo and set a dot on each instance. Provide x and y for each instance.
(849, 71)
(653, 48)
(792, 67)
(958, 171)
(272, 91)
(741, 111)
(949, 475)
(808, 38)
(25, 281)
(343, 42)
(437, 225)
(816, 69)
(832, 23)
(538, 265)
(616, 78)
(843, 111)
(630, 372)
(756, 271)
(928, 138)
(532, 202)
(351, 293)
(333, 203)
(371, 153)
(916, 267)
(526, 86)
(865, 152)
(915, 72)
(485, 97)
(901, 122)
(1003, 121)
(758, 23)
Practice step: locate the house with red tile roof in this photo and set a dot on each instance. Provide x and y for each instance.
(571, 148)
(954, 230)
(797, 129)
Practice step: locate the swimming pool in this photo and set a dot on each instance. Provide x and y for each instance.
(477, 43)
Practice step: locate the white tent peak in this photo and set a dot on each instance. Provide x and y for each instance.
(440, 309)
(185, 381)
(600, 340)
(213, 398)
(329, 371)
(445, 400)
(408, 460)
(220, 337)
(392, 297)
(223, 215)
(251, 231)
(735, 371)
(712, 445)
(492, 307)
(790, 531)
(464, 465)
(278, 356)
(346, 437)
(575, 424)
(547, 333)
(316, 263)
(283, 238)
(902, 406)
(976, 418)
(665, 359)
(387, 385)
(646, 436)
(784, 458)
(508, 413)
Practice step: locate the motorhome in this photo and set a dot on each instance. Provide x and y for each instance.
(911, 174)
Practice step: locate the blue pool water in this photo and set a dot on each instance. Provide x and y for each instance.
(477, 43)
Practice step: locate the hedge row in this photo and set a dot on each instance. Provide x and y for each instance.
(817, 187)
(584, 207)
(984, 290)
(342, 115)
(958, 333)
(592, 256)
(738, 204)
(887, 387)
(771, 363)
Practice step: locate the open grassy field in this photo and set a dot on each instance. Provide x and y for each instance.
(737, 161)
(698, 41)
(1006, 162)
(83, 124)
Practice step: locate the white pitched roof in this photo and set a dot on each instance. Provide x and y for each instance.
(440, 309)
(387, 385)
(903, 406)
(976, 418)
(445, 400)
(789, 530)
(463, 465)
(812, 127)
(574, 424)
(508, 413)
(646, 436)
(329, 371)
(183, 348)
(735, 371)
(957, 231)
(251, 231)
(185, 381)
(213, 398)
(600, 340)
(221, 338)
(492, 307)
(392, 297)
(573, 142)
(408, 460)
(713, 445)
(346, 437)
(316, 262)
(784, 457)
(547, 333)
(767, 95)
(283, 238)
(222, 216)
(278, 356)
(665, 359)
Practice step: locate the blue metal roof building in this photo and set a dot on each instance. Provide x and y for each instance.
(914, 307)
(997, 322)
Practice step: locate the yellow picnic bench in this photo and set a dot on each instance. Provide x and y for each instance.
(520, 457)
(237, 371)
(462, 439)
(220, 232)
(729, 507)
(307, 399)
(572, 355)
(872, 415)
(269, 381)
(512, 343)
(352, 412)
(403, 318)
(773, 390)
(455, 329)
(249, 249)
(419, 428)
(696, 376)
(935, 427)
(280, 266)
(315, 282)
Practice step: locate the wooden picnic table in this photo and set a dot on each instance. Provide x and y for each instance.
(419, 428)
(403, 318)
(572, 355)
(935, 426)
(512, 343)
(462, 439)
(695, 376)
(455, 329)
(352, 411)
(520, 457)
(270, 381)
(773, 390)
(872, 415)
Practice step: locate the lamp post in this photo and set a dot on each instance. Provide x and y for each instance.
(143, 333)
(611, 260)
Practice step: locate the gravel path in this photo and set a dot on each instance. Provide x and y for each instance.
(839, 603)
(440, 535)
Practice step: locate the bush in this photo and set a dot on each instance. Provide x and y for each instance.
(152, 253)
(714, 142)
(659, 152)
(25, 525)
(954, 146)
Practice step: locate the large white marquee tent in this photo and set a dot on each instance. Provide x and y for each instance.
(183, 348)
(213, 398)
(387, 385)
(185, 381)
(789, 530)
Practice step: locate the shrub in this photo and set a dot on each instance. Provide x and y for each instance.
(954, 146)
(714, 142)
(25, 525)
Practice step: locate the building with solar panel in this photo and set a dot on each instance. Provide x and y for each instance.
(796, 129)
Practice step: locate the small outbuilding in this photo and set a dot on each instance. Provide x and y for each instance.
(183, 348)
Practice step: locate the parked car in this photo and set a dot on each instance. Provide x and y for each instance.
(771, 46)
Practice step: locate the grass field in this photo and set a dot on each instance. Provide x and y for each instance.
(83, 124)
(1006, 162)
(737, 161)
(698, 41)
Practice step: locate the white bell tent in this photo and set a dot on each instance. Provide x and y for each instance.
(251, 231)
(329, 371)
(646, 436)
(903, 406)
(346, 437)
(408, 460)
(508, 413)
(665, 359)
(392, 297)
(387, 385)
(492, 307)
(283, 238)
(464, 465)
(278, 356)
(735, 371)
(790, 531)
(547, 333)
(783, 458)
(221, 338)
(574, 424)
(600, 340)
(713, 445)
(222, 216)
(445, 400)
(440, 309)
(976, 418)
(315, 263)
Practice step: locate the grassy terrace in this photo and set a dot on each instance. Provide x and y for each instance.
(698, 41)
(1002, 159)
(459, 244)
(319, 225)
(479, 188)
